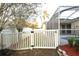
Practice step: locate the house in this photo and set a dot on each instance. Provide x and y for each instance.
(69, 24)
(62, 21)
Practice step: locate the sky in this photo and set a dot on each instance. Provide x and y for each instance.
(51, 5)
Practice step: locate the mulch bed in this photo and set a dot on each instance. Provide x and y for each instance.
(28, 52)
(71, 51)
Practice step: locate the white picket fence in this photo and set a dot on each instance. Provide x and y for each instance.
(38, 39)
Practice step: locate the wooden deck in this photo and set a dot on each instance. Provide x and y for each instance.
(28, 52)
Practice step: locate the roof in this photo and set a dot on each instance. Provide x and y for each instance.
(66, 13)
(69, 12)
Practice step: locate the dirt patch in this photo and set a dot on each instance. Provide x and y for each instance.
(28, 52)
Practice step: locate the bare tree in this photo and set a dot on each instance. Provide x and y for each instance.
(20, 11)
(3, 16)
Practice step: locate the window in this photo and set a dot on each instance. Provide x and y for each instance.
(68, 26)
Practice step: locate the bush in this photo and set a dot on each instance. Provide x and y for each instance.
(71, 41)
(77, 45)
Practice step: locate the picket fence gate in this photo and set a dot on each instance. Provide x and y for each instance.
(29, 40)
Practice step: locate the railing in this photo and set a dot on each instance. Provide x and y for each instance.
(0, 41)
(46, 39)
(38, 39)
(69, 31)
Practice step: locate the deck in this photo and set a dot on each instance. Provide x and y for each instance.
(29, 52)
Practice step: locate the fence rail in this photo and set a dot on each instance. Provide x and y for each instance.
(38, 39)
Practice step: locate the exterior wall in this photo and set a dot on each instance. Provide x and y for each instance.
(65, 26)
(75, 25)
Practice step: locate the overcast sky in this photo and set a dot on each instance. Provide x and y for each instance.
(50, 6)
(53, 4)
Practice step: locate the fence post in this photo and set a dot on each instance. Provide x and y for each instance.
(1, 41)
(56, 38)
(32, 39)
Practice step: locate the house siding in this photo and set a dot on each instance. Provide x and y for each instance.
(75, 25)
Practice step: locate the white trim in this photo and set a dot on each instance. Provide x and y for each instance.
(21, 48)
(34, 48)
(46, 30)
(32, 39)
(45, 47)
(69, 29)
(59, 26)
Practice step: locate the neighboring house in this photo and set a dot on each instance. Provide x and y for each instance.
(75, 24)
(68, 26)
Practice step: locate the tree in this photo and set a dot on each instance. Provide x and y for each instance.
(45, 16)
(3, 15)
(20, 11)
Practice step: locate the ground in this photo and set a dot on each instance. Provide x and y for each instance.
(28, 52)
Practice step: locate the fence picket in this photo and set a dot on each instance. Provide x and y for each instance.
(40, 39)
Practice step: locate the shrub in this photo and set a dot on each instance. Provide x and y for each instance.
(71, 41)
(77, 45)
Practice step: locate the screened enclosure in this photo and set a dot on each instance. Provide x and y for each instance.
(66, 20)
